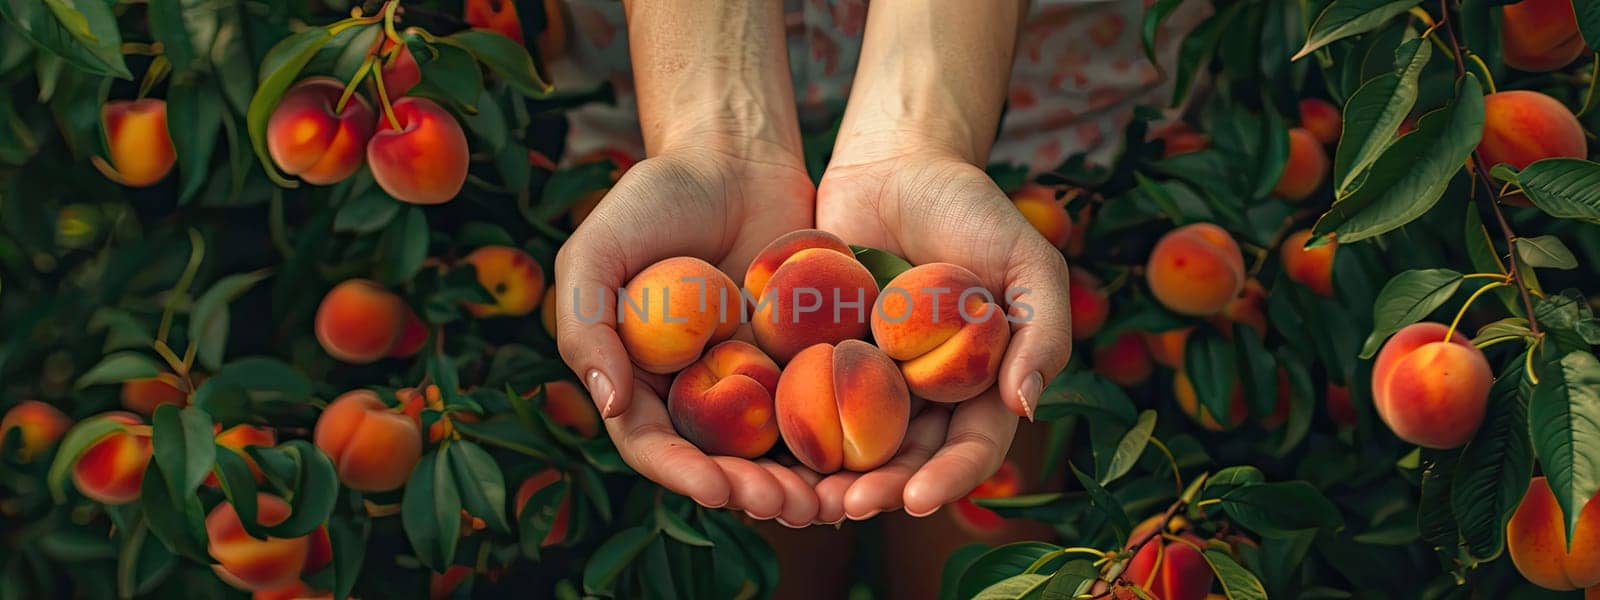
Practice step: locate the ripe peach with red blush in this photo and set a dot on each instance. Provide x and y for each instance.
(310, 137)
(39, 426)
(944, 328)
(723, 403)
(139, 147)
(420, 157)
(373, 447)
(842, 407)
(808, 288)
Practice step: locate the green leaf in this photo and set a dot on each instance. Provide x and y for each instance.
(608, 561)
(178, 521)
(1072, 580)
(538, 516)
(209, 321)
(1103, 501)
(120, 367)
(265, 379)
(88, 38)
(1566, 188)
(1084, 393)
(1209, 363)
(317, 492)
(1564, 417)
(1413, 173)
(348, 537)
(182, 444)
(1373, 115)
(957, 564)
(1280, 508)
(1494, 469)
(1153, 18)
(238, 485)
(452, 76)
(81, 437)
(1545, 251)
(194, 120)
(567, 186)
(1196, 49)
(506, 59)
(482, 486)
(368, 212)
(1013, 587)
(883, 265)
(1407, 298)
(1230, 479)
(403, 247)
(1436, 522)
(1237, 582)
(1588, 14)
(430, 512)
(279, 70)
(1000, 563)
(1130, 448)
(167, 25)
(1347, 18)
(668, 522)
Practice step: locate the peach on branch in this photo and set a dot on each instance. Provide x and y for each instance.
(1248, 308)
(1521, 127)
(1180, 138)
(38, 424)
(138, 144)
(1195, 269)
(1005, 483)
(1306, 168)
(1038, 204)
(1536, 537)
(111, 470)
(673, 310)
(1089, 303)
(413, 336)
(945, 329)
(808, 289)
(1125, 361)
(569, 406)
(144, 395)
(310, 138)
(1189, 402)
(513, 277)
(1312, 268)
(1540, 35)
(421, 156)
(373, 447)
(1166, 347)
(723, 402)
(547, 311)
(1430, 389)
(842, 407)
(1167, 568)
(499, 16)
(252, 564)
(1340, 409)
(239, 437)
(531, 486)
(400, 70)
(360, 322)
(1322, 119)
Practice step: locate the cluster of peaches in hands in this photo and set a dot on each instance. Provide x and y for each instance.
(809, 378)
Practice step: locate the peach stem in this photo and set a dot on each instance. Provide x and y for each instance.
(388, 21)
(1450, 333)
(350, 88)
(383, 97)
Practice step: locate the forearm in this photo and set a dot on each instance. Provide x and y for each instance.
(932, 77)
(713, 75)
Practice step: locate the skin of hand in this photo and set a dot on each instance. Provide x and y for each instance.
(906, 177)
(725, 176)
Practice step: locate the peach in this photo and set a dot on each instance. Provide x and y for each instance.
(1536, 537)
(144, 395)
(945, 329)
(499, 16)
(239, 437)
(547, 312)
(1189, 402)
(1311, 268)
(1592, 594)
(808, 289)
(1540, 35)
(413, 336)
(1088, 301)
(421, 159)
(569, 406)
(1195, 269)
(531, 486)
(111, 470)
(1166, 347)
(1039, 206)
(723, 402)
(1168, 569)
(442, 585)
(1280, 411)
(308, 138)
(39, 425)
(842, 406)
(1125, 361)
(1521, 127)
(360, 322)
(1340, 409)
(373, 447)
(513, 277)
(1306, 169)
(1322, 119)
(137, 142)
(1431, 390)
(1005, 483)
(1248, 308)
(552, 41)
(1180, 138)
(254, 564)
(400, 70)
(671, 311)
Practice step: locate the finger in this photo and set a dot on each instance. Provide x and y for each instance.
(647, 442)
(830, 496)
(1041, 335)
(753, 489)
(883, 489)
(799, 498)
(980, 433)
(590, 267)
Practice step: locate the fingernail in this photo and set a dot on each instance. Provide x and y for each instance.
(865, 517)
(753, 516)
(1029, 393)
(921, 515)
(785, 523)
(708, 505)
(600, 389)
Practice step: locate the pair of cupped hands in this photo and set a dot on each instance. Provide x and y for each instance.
(724, 205)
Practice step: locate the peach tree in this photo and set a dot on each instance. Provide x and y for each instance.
(274, 315)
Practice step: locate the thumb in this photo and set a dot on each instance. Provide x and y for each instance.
(1041, 335)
